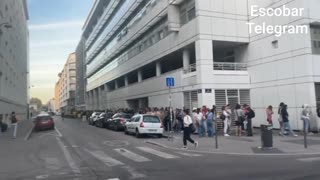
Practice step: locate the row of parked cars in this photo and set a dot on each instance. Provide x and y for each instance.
(139, 125)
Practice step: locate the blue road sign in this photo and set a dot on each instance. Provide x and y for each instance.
(170, 81)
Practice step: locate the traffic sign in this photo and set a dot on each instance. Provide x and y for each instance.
(170, 81)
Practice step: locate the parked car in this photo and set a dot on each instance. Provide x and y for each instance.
(43, 122)
(93, 118)
(118, 121)
(144, 124)
(102, 119)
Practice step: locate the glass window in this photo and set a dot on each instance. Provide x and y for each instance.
(137, 119)
(151, 119)
(161, 34)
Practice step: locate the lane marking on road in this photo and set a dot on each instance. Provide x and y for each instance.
(100, 155)
(114, 179)
(42, 176)
(57, 130)
(312, 159)
(134, 174)
(130, 155)
(157, 153)
(26, 138)
(189, 154)
(68, 157)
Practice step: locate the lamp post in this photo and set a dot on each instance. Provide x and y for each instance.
(4, 25)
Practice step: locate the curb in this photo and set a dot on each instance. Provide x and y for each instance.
(29, 133)
(232, 154)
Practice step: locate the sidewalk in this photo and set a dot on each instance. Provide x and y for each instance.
(24, 127)
(244, 145)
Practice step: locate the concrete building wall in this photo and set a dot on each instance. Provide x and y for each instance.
(14, 57)
(80, 75)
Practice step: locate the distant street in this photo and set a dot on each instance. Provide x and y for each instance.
(79, 151)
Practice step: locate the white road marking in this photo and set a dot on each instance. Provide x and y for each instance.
(309, 159)
(114, 179)
(74, 146)
(42, 176)
(134, 174)
(57, 130)
(189, 154)
(68, 157)
(157, 153)
(130, 155)
(109, 161)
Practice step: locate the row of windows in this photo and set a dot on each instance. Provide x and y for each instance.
(316, 44)
(187, 11)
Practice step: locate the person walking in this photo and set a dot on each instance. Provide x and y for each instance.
(187, 130)
(239, 119)
(280, 118)
(305, 117)
(269, 113)
(285, 119)
(210, 123)
(249, 116)
(226, 121)
(14, 124)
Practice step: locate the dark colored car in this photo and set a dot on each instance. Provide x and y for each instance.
(43, 122)
(118, 121)
(102, 119)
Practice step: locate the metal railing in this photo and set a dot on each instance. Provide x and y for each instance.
(191, 68)
(226, 66)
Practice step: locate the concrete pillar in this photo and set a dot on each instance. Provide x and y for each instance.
(116, 86)
(126, 80)
(158, 68)
(204, 64)
(106, 90)
(186, 58)
(173, 17)
(139, 75)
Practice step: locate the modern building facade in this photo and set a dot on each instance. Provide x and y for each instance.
(57, 96)
(14, 59)
(67, 85)
(133, 45)
(80, 79)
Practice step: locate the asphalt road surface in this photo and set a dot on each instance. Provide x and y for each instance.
(76, 150)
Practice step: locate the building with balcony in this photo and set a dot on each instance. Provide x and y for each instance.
(133, 45)
(80, 78)
(66, 86)
(14, 59)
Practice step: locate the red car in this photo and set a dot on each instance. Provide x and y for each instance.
(43, 122)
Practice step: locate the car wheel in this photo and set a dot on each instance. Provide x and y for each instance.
(138, 135)
(159, 135)
(126, 131)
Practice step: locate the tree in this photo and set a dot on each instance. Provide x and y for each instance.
(36, 101)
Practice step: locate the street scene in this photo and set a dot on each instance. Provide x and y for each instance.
(159, 89)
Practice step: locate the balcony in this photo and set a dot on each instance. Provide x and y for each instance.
(191, 68)
(226, 66)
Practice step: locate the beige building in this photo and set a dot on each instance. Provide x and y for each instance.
(14, 57)
(57, 96)
(67, 85)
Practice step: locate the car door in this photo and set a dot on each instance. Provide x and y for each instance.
(129, 124)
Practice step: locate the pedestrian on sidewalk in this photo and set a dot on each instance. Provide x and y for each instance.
(280, 118)
(210, 123)
(200, 117)
(239, 119)
(226, 121)
(305, 117)
(285, 119)
(195, 119)
(14, 124)
(269, 112)
(205, 112)
(249, 116)
(188, 128)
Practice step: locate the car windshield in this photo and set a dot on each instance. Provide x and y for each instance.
(151, 119)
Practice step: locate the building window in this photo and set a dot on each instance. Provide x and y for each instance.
(315, 39)
(187, 11)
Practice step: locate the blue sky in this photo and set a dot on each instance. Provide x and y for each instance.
(55, 30)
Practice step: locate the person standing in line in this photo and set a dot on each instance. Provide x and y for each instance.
(200, 122)
(285, 119)
(250, 115)
(239, 119)
(305, 117)
(205, 112)
(187, 122)
(210, 123)
(280, 118)
(14, 124)
(269, 113)
(195, 119)
(226, 120)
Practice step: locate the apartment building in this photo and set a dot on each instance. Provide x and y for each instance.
(14, 59)
(132, 46)
(67, 86)
(80, 76)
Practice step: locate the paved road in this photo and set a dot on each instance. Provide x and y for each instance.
(79, 151)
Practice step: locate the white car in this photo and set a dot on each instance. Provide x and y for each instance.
(144, 124)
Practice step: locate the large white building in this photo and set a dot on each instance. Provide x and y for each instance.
(133, 45)
(14, 59)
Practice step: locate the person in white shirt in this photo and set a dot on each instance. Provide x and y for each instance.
(200, 117)
(305, 117)
(187, 123)
(227, 121)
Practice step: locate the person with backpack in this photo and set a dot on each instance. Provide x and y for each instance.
(285, 119)
(250, 114)
(239, 119)
(188, 129)
(14, 124)
(225, 117)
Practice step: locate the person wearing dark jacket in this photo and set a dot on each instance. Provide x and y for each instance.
(285, 119)
(249, 116)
